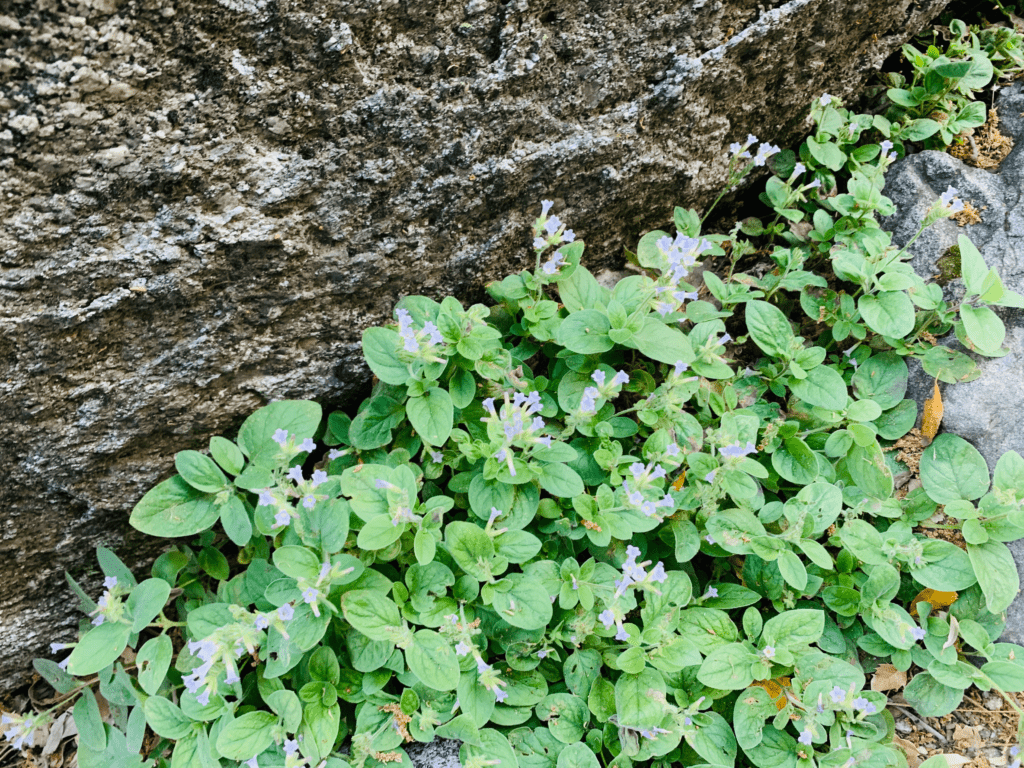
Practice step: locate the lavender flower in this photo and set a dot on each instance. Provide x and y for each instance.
(736, 451)
(461, 648)
(308, 445)
(266, 498)
(607, 618)
(319, 478)
(309, 501)
(295, 473)
(499, 694)
(768, 652)
(542, 653)
(712, 592)
(110, 582)
(286, 612)
(863, 705)
(658, 573)
(765, 151)
(280, 437)
(837, 694)
(806, 737)
(918, 633)
(282, 518)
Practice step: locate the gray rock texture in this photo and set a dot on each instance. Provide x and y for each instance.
(987, 411)
(440, 753)
(203, 203)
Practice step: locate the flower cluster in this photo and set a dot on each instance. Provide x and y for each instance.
(514, 427)
(549, 231)
(21, 732)
(110, 605)
(680, 254)
(278, 497)
(604, 389)
(425, 344)
(644, 479)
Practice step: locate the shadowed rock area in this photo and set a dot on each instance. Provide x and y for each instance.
(205, 202)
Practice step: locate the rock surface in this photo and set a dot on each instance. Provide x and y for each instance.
(205, 201)
(986, 411)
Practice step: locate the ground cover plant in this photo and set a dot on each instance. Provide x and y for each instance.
(590, 526)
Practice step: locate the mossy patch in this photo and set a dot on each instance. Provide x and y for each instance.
(948, 266)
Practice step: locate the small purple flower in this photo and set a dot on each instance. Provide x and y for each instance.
(598, 376)
(806, 737)
(542, 653)
(291, 746)
(863, 705)
(768, 652)
(709, 540)
(262, 622)
(335, 453)
(266, 498)
(499, 694)
(588, 403)
(310, 595)
(295, 473)
(282, 518)
(726, 338)
(251, 762)
(110, 582)
(495, 514)
(461, 649)
(232, 677)
(436, 456)
(710, 478)
(918, 633)
(54, 647)
(319, 477)
(204, 697)
(712, 592)
(837, 694)
(308, 445)
(622, 635)
(607, 618)
(545, 206)
(799, 169)
(481, 666)
(281, 437)
(286, 612)
(657, 573)
(824, 101)
(620, 377)
(309, 501)
(947, 196)
(680, 368)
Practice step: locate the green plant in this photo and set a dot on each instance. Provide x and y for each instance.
(571, 531)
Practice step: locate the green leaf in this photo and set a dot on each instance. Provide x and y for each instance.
(173, 509)
(769, 328)
(931, 698)
(493, 747)
(462, 388)
(431, 415)
(379, 533)
(235, 520)
(792, 569)
(567, 716)
(247, 735)
(1008, 675)
(889, 313)
(577, 755)
(918, 130)
(664, 344)
(297, 562)
(582, 291)
(560, 480)
(199, 471)
(100, 647)
(947, 567)
(433, 661)
(869, 471)
(585, 332)
(983, 327)
(89, 723)
(949, 366)
(371, 428)
(636, 698)
(370, 613)
(777, 749)
(795, 461)
(300, 418)
(826, 153)
(997, 573)
(461, 728)
(517, 546)
(146, 601)
(896, 422)
(525, 605)
(728, 668)
(380, 348)
(823, 387)
(226, 454)
(794, 628)
(952, 470)
(471, 548)
(165, 718)
(319, 731)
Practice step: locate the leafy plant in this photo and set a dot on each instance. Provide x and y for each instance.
(570, 531)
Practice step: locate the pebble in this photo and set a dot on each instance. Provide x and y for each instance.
(993, 703)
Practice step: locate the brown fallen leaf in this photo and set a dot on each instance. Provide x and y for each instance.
(931, 419)
(888, 678)
(938, 600)
(909, 749)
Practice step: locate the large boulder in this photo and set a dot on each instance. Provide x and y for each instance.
(987, 411)
(205, 201)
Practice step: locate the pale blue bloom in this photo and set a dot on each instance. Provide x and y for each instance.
(280, 437)
(283, 517)
(286, 612)
(607, 618)
(319, 477)
(266, 498)
(806, 737)
(308, 445)
(295, 473)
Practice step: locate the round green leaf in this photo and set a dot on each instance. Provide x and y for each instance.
(100, 647)
(247, 735)
(890, 313)
(952, 470)
(585, 332)
(823, 387)
(431, 415)
(433, 661)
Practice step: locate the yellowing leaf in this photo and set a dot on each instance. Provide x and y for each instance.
(678, 484)
(932, 416)
(939, 600)
(776, 690)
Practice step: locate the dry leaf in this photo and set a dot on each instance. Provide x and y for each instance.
(932, 416)
(939, 600)
(888, 678)
(678, 484)
(776, 690)
(954, 633)
(968, 735)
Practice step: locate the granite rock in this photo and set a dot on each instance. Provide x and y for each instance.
(205, 201)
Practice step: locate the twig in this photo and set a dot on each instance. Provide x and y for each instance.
(921, 722)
